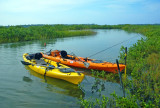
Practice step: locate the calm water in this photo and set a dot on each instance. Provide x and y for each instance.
(21, 87)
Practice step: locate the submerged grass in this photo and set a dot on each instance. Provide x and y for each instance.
(110, 77)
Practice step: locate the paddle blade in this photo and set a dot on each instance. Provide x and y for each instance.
(86, 64)
(25, 63)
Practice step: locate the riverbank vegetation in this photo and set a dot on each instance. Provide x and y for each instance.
(39, 32)
(21, 33)
(143, 66)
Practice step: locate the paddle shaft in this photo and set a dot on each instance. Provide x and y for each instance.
(85, 63)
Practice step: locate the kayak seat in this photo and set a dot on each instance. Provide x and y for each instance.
(38, 56)
(64, 55)
(40, 62)
(34, 56)
(30, 56)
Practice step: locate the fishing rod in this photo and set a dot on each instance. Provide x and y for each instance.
(110, 47)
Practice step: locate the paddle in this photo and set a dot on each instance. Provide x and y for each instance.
(25, 63)
(85, 63)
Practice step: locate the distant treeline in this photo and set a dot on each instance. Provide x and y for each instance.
(21, 33)
(36, 32)
(72, 26)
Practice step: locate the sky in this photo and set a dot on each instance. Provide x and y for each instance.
(110, 12)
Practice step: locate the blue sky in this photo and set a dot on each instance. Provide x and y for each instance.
(110, 12)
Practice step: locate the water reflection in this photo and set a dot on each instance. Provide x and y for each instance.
(21, 44)
(47, 41)
(27, 79)
(57, 85)
(17, 44)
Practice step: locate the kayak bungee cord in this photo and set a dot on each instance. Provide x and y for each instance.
(110, 47)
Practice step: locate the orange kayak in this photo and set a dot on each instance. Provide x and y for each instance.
(80, 62)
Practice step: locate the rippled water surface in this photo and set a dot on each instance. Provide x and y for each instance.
(21, 87)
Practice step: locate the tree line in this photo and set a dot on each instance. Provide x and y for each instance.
(36, 32)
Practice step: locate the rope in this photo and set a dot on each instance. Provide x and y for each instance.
(111, 47)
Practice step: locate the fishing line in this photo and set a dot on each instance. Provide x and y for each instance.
(111, 47)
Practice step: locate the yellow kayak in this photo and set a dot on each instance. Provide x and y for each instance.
(63, 87)
(52, 69)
